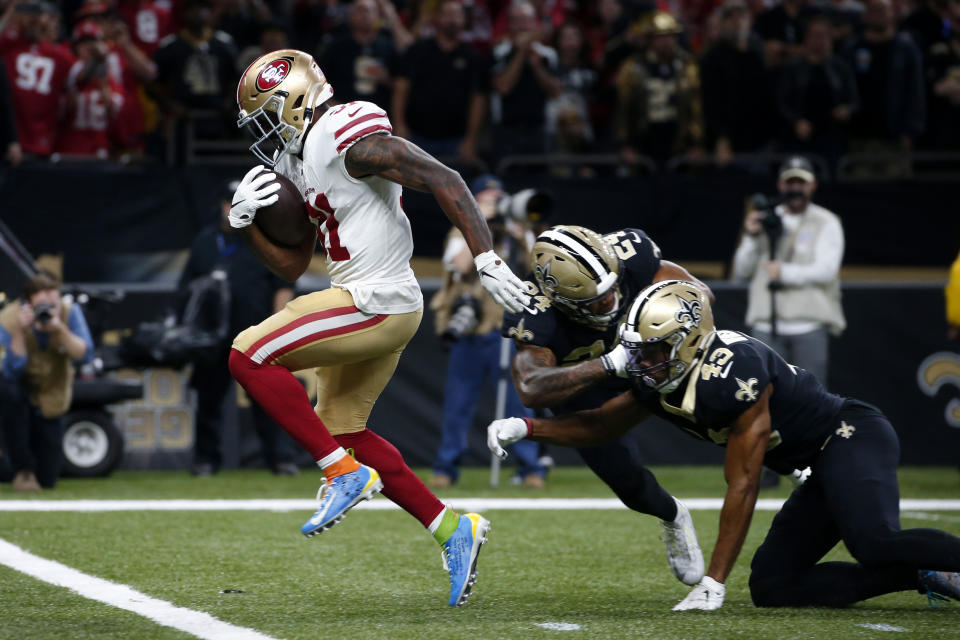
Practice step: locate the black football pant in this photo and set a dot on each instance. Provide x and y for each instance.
(853, 496)
(618, 464)
(33, 443)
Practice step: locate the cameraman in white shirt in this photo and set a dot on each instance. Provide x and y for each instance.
(803, 275)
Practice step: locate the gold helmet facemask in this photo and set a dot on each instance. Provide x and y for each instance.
(576, 268)
(667, 329)
(277, 97)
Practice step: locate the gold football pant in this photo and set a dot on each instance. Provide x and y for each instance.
(354, 353)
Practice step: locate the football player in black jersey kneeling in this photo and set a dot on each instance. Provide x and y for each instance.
(732, 389)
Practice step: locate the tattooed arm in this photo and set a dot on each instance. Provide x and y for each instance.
(542, 384)
(592, 427)
(405, 163)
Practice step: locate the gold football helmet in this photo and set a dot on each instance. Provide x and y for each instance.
(667, 329)
(276, 97)
(579, 271)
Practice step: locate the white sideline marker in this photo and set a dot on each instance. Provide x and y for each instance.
(197, 623)
(382, 504)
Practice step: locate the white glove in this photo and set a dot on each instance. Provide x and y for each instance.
(502, 433)
(706, 596)
(615, 362)
(799, 476)
(256, 190)
(505, 288)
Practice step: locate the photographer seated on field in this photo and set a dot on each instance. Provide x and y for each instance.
(469, 320)
(41, 336)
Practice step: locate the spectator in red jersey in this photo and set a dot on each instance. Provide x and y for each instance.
(94, 98)
(37, 69)
(131, 66)
(136, 71)
(149, 21)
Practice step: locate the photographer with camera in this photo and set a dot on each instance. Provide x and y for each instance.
(790, 251)
(42, 335)
(251, 292)
(468, 322)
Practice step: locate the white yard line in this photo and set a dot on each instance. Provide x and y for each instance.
(382, 504)
(197, 623)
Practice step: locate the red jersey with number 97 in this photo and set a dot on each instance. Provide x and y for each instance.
(38, 77)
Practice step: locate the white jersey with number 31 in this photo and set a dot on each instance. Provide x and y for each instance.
(360, 222)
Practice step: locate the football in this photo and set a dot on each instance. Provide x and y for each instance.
(285, 222)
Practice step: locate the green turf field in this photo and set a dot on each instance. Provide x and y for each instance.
(378, 574)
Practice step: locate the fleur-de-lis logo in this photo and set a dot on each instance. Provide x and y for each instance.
(748, 390)
(521, 334)
(549, 282)
(845, 430)
(936, 371)
(689, 309)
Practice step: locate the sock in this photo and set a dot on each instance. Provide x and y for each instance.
(444, 525)
(283, 398)
(400, 484)
(337, 464)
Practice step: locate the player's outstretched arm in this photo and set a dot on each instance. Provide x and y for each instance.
(541, 383)
(742, 467)
(746, 445)
(405, 163)
(580, 429)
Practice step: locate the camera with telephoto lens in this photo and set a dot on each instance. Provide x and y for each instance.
(771, 222)
(529, 205)
(43, 311)
(464, 317)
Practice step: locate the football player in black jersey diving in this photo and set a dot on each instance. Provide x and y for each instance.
(732, 389)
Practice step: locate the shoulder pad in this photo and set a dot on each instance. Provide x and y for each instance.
(732, 376)
(350, 122)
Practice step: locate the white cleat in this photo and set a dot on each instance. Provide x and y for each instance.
(683, 550)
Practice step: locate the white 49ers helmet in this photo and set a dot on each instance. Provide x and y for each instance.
(668, 328)
(276, 97)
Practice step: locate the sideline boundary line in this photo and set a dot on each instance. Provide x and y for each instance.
(382, 504)
(197, 623)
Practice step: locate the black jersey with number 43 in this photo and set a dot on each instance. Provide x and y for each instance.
(730, 379)
(572, 342)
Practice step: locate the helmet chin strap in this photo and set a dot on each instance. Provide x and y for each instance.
(697, 357)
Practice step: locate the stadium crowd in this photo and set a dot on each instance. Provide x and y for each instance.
(489, 78)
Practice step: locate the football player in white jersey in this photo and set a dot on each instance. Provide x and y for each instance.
(350, 171)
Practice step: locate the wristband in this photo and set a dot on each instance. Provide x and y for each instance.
(529, 424)
(608, 366)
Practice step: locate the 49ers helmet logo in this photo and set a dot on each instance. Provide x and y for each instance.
(273, 74)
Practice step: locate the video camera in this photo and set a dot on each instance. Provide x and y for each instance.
(772, 223)
(528, 205)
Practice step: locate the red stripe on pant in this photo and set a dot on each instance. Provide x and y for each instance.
(400, 484)
(299, 322)
(320, 335)
(284, 399)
